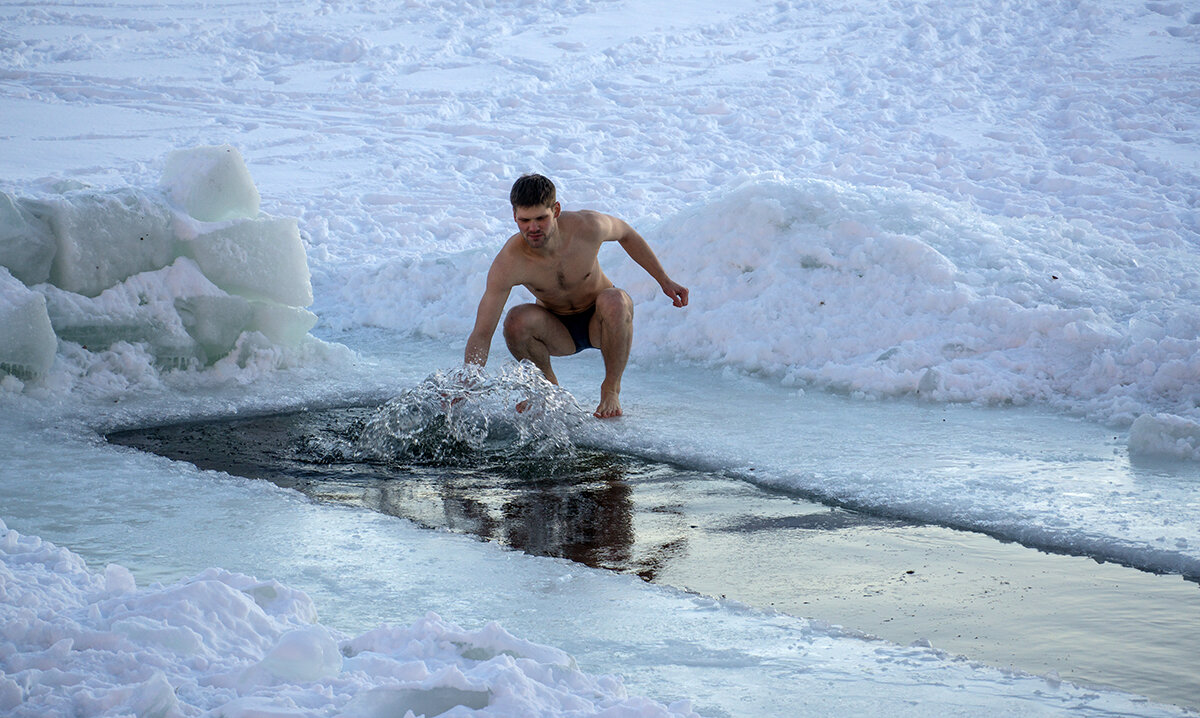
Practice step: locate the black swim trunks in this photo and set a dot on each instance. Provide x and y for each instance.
(577, 325)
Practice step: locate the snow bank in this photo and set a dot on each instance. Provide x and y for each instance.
(1164, 435)
(183, 279)
(79, 642)
(885, 292)
(890, 292)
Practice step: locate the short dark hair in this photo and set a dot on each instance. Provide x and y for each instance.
(532, 190)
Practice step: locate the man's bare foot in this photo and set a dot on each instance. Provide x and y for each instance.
(522, 406)
(609, 407)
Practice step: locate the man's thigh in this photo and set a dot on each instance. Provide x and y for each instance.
(540, 324)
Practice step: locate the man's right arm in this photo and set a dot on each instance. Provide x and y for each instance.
(491, 306)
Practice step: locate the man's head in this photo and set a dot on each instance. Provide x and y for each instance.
(532, 191)
(535, 209)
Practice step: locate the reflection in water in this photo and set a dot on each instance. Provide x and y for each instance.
(586, 517)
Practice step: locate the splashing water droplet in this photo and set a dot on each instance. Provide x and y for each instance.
(465, 415)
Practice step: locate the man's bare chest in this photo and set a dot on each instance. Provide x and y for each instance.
(564, 281)
(561, 275)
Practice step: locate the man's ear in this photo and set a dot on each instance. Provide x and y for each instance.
(557, 209)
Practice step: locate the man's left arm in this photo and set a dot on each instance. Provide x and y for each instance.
(639, 251)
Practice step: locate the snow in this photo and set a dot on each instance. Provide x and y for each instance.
(91, 643)
(986, 206)
(1165, 435)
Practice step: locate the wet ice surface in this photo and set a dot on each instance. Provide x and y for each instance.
(1019, 473)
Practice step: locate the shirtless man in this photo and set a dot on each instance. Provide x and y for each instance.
(554, 256)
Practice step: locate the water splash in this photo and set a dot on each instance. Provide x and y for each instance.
(465, 415)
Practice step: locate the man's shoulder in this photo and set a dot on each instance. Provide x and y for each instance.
(583, 215)
(511, 251)
(590, 223)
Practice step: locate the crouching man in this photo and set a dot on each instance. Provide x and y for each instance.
(554, 255)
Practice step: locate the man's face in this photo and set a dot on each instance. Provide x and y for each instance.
(537, 224)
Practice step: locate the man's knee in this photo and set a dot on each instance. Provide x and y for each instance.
(517, 323)
(614, 305)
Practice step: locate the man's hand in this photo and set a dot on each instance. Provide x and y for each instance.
(461, 383)
(677, 292)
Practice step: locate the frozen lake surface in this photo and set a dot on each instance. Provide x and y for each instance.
(698, 522)
(717, 533)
